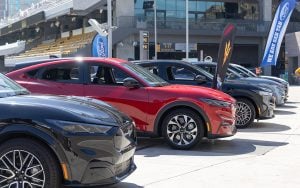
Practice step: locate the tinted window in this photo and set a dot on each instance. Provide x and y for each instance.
(62, 73)
(152, 79)
(209, 69)
(152, 69)
(180, 73)
(106, 75)
(32, 73)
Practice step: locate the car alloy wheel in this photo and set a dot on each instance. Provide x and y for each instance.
(183, 129)
(21, 169)
(245, 113)
(26, 163)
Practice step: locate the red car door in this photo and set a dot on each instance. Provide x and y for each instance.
(106, 83)
(62, 79)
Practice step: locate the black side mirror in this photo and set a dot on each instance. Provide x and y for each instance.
(200, 79)
(131, 83)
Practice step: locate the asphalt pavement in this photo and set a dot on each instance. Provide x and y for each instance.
(265, 155)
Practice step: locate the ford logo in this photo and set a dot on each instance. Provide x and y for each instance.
(284, 11)
(101, 48)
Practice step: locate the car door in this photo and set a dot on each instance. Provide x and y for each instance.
(59, 79)
(105, 82)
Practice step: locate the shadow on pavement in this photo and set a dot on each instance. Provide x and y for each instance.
(124, 185)
(283, 112)
(265, 127)
(291, 102)
(211, 148)
(286, 107)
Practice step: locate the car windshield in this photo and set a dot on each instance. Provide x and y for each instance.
(248, 72)
(204, 72)
(10, 88)
(239, 71)
(147, 76)
(232, 75)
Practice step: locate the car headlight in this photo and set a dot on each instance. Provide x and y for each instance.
(263, 93)
(75, 127)
(214, 102)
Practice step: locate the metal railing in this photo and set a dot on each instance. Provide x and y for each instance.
(31, 10)
(243, 26)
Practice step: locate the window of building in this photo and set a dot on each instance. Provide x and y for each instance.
(239, 9)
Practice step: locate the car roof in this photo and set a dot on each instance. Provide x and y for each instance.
(34, 62)
(159, 61)
(204, 63)
(64, 60)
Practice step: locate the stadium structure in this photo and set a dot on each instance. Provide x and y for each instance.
(60, 28)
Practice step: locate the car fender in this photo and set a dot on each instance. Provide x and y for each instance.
(15, 130)
(171, 105)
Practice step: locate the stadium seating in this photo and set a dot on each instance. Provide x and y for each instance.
(62, 46)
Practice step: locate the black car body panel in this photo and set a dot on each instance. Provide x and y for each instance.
(278, 89)
(247, 73)
(91, 158)
(264, 104)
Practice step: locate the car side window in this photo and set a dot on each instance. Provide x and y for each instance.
(106, 75)
(68, 73)
(153, 69)
(180, 73)
(209, 69)
(32, 73)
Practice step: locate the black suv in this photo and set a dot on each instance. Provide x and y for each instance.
(252, 102)
(47, 141)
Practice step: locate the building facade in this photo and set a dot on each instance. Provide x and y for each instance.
(207, 20)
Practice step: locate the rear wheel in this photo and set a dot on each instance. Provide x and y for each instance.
(245, 113)
(182, 129)
(25, 163)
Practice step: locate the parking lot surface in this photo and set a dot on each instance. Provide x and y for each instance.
(264, 155)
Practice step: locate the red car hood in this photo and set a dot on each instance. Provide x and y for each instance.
(197, 92)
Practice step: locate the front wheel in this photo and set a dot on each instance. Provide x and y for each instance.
(182, 129)
(25, 163)
(245, 113)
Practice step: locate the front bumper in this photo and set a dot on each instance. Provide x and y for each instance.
(224, 125)
(224, 131)
(101, 160)
(280, 95)
(266, 109)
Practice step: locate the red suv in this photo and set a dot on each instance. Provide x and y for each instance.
(183, 115)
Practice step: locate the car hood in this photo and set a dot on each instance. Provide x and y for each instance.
(235, 85)
(198, 92)
(89, 110)
(254, 80)
(280, 80)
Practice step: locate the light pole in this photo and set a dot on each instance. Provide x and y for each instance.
(187, 29)
(155, 30)
(109, 24)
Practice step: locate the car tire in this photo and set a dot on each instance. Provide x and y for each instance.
(29, 162)
(182, 129)
(245, 113)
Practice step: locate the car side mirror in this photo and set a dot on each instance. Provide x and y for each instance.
(200, 79)
(131, 83)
